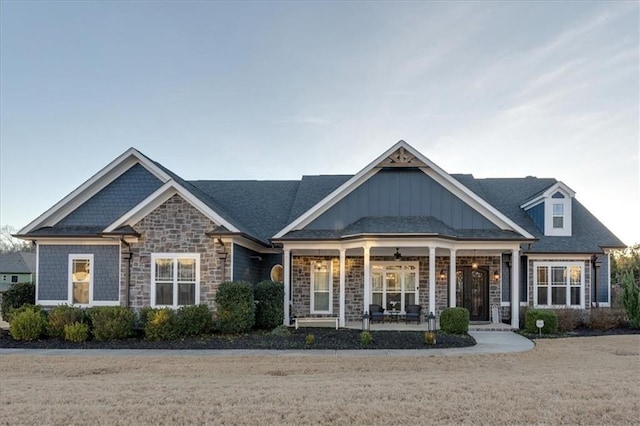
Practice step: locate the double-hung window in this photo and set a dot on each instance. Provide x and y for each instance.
(559, 284)
(174, 279)
(80, 279)
(321, 288)
(558, 216)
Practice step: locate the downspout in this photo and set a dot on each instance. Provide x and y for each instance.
(127, 280)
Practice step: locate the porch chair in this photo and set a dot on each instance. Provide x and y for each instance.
(376, 313)
(412, 313)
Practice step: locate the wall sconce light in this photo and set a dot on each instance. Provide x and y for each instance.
(397, 256)
(474, 262)
(443, 274)
(496, 275)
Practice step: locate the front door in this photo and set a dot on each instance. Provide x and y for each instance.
(472, 292)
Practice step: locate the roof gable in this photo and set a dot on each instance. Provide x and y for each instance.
(403, 155)
(19, 262)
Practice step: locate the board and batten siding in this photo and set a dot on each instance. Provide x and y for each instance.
(53, 271)
(246, 265)
(537, 214)
(403, 193)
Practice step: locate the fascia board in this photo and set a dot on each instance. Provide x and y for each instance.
(94, 185)
(160, 196)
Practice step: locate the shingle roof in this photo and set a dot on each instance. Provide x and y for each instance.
(19, 262)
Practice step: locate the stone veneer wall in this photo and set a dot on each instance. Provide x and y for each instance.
(175, 227)
(354, 283)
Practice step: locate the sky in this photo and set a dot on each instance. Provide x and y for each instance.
(277, 90)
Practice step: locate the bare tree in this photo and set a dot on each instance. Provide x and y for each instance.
(9, 244)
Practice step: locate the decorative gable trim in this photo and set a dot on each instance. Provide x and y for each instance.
(404, 155)
(95, 184)
(160, 196)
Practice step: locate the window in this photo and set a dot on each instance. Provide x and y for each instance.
(559, 284)
(14, 278)
(80, 279)
(321, 287)
(174, 279)
(277, 273)
(558, 216)
(393, 285)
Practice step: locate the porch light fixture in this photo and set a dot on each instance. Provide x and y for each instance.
(397, 256)
(474, 262)
(496, 275)
(443, 274)
(366, 323)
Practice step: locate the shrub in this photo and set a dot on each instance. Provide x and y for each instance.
(17, 295)
(454, 320)
(310, 339)
(548, 316)
(281, 330)
(607, 319)
(269, 297)
(63, 315)
(366, 338)
(28, 324)
(76, 332)
(161, 325)
(569, 319)
(235, 307)
(631, 299)
(194, 320)
(111, 322)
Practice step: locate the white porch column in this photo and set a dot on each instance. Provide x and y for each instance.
(432, 280)
(452, 278)
(343, 265)
(286, 261)
(366, 298)
(515, 289)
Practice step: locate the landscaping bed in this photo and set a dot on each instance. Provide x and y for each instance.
(324, 338)
(582, 332)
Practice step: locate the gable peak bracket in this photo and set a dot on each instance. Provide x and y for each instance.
(401, 158)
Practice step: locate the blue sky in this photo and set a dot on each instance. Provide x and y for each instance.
(276, 90)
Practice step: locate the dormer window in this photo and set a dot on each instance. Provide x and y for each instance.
(551, 210)
(558, 216)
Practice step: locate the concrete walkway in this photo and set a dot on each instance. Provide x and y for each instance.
(488, 342)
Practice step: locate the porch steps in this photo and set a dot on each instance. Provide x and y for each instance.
(488, 326)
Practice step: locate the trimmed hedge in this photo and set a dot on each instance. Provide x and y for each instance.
(549, 317)
(269, 297)
(455, 320)
(17, 295)
(28, 323)
(111, 322)
(194, 321)
(161, 325)
(61, 316)
(235, 307)
(76, 332)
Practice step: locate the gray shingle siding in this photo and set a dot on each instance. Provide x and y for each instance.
(53, 280)
(115, 199)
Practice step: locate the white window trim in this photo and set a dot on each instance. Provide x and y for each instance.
(73, 257)
(567, 265)
(329, 265)
(174, 257)
(384, 264)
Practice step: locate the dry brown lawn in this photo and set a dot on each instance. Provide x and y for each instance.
(591, 380)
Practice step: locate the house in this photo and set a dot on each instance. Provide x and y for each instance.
(401, 231)
(16, 267)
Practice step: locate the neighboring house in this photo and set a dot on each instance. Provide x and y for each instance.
(401, 231)
(17, 267)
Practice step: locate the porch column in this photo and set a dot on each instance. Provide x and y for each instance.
(343, 265)
(432, 280)
(286, 261)
(515, 289)
(366, 297)
(452, 278)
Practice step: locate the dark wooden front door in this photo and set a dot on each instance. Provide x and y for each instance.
(472, 292)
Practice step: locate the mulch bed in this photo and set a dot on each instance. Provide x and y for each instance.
(325, 338)
(583, 332)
